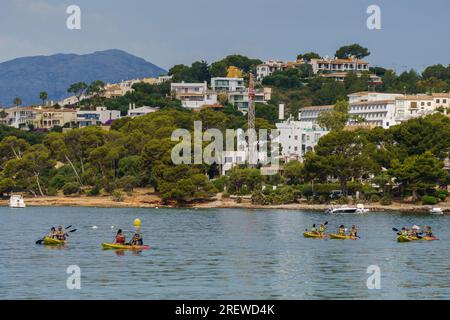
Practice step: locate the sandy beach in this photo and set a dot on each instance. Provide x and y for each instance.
(145, 198)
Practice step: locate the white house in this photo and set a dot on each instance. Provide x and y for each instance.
(19, 117)
(134, 112)
(225, 84)
(101, 116)
(193, 95)
(298, 137)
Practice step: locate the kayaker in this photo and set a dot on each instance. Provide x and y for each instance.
(120, 238)
(322, 229)
(429, 232)
(354, 231)
(341, 230)
(314, 229)
(405, 232)
(61, 234)
(137, 239)
(52, 234)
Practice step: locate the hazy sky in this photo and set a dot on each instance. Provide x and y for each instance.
(414, 33)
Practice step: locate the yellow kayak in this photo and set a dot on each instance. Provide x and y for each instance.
(123, 247)
(409, 238)
(314, 235)
(54, 242)
(340, 237)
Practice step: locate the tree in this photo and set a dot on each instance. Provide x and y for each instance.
(355, 50)
(343, 154)
(43, 96)
(308, 56)
(78, 89)
(335, 119)
(293, 172)
(17, 101)
(420, 172)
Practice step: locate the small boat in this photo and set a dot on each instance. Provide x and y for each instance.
(115, 246)
(436, 211)
(314, 235)
(16, 201)
(342, 237)
(346, 209)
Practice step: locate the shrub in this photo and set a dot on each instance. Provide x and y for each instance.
(225, 195)
(386, 201)
(95, 191)
(118, 196)
(429, 200)
(343, 200)
(128, 183)
(239, 200)
(71, 188)
(441, 194)
(375, 198)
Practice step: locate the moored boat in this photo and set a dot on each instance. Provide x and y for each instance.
(16, 201)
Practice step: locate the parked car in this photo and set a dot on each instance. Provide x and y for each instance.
(335, 194)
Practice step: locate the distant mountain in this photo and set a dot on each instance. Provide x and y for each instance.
(27, 77)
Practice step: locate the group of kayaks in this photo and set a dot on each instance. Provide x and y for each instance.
(60, 239)
(404, 235)
(335, 236)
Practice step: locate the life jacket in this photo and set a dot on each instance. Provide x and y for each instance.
(342, 231)
(120, 239)
(405, 233)
(313, 229)
(60, 235)
(321, 229)
(353, 232)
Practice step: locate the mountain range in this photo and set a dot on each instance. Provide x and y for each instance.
(27, 77)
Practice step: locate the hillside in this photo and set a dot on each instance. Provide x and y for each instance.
(26, 77)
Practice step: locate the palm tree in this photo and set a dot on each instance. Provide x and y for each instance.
(17, 102)
(43, 96)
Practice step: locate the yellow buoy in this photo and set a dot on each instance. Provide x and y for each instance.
(137, 222)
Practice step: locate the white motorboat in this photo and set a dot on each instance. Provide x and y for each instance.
(436, 211)
(346, 209)
(16, 201)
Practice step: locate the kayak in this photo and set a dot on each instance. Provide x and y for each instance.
(314, 235)
(123, 247)
(409, 239)
(339, 237)
(53, 242)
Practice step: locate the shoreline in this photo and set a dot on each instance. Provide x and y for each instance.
(144, 199)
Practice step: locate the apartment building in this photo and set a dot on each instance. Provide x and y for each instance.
(341, 76)
(311, 114)
(411, 106)
(240, 99)
(338, 65)
(193, 95)
(296, 138)
(224, 84)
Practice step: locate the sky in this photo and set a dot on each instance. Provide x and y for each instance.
(413, 34)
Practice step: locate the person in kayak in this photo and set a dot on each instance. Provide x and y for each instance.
(120, 238)
(341, 230)
(404, 232)
(322, 229)
(61, 234)
(314, 229)
(354, 231)
(137, 239)
(429, 232)
(52, 234)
